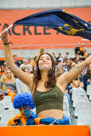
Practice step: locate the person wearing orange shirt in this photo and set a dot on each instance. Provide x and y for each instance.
(83, 50)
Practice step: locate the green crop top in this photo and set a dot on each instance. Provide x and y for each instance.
(51, 99)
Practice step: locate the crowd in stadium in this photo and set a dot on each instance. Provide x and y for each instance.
(21, 94)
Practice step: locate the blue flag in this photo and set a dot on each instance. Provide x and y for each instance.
(60, 20)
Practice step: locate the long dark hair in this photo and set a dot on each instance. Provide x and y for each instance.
(88, 72)
(51, 75)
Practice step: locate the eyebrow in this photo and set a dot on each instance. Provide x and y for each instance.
(8, 72)
(46, 56)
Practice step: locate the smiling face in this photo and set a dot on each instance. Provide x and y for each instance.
(45, 62)
(8, 74)
(15, 57)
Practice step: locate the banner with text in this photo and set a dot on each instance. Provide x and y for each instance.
(33, 37)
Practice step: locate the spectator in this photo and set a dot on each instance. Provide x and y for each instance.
(70, 63)
(5, 67)
(9, 82)
(42, 50)
(21, 87)
(76, 83)
(34, 64)
(15, 57)
(87, 77)
(77, 59)
(66, 56)
(60, 58)
(47, 90)
(83, 50)
(77, 49)
(24, 103)
(85, 70)
(26, 64)
(53, 55)
(59, 71)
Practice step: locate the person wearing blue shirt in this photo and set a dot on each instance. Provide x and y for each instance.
(24, 103)
(87, 77)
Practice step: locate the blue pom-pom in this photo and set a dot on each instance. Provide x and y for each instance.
(23, 100)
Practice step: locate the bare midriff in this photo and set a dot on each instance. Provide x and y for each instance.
(57, 114)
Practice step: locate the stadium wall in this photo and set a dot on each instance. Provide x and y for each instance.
(40, 4)
(32, 53)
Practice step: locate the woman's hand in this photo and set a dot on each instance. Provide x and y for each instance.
(4, 36)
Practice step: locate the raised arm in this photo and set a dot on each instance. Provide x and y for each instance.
(24, 77)
(67, 77)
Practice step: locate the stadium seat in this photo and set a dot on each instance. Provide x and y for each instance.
(90, 96)
(79, 98)
(84, 116)
(11, 106)
(88, 89)
(16, 111)
(3, 124)
(6, 101)
(65, 107)
(82, 105)
(7, 114)
(66, 100)
(78, 92)
(1, 108)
